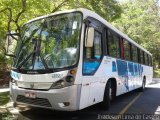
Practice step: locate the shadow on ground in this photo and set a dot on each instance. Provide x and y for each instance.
(90, 113)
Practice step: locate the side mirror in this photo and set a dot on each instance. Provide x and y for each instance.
(11, 42)
(89, 37)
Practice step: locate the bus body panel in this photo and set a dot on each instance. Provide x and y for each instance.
(52, 99)
(93, 87)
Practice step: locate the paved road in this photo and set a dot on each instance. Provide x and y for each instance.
(139, 104)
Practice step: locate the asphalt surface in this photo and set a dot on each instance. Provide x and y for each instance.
(132, 106)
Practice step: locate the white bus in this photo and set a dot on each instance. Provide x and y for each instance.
(73, 59)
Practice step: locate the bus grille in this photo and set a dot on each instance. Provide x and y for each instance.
(36, 101)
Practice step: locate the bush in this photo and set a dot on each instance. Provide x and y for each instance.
(156, 73)
(4, 98)
(4, 71)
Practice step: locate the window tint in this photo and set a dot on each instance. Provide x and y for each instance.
(141, 57)
(126, 50)
(97, 45)
(95, 52)
(146, 58)
(138, 54)
(150, 60)
(113, 44)
(134, 54)
(88, 53)
(92, 55)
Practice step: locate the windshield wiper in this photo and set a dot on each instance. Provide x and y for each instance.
(43, 61)
(25, 60)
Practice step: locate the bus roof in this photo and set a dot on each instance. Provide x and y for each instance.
(89, 13)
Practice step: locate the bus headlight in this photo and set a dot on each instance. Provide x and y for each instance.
(70, 79)
(63, 83)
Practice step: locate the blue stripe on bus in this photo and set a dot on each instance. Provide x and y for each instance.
(114, 69)
(126, 69)
(90, 67)
(122, 68)
(14, 75)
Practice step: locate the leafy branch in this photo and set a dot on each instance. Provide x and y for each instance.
(9, 17)
(16, 20)
(59, 6)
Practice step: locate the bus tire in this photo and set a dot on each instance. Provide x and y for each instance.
(107, 96)
(143, 85)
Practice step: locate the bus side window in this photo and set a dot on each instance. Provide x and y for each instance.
(127, 55)
(95, 52)
(97, 45)
(141, 57)
(113, 44)
(150, 60)
(146, 60)
(134, 54)
(138, 53)
(93, 55)
(88, 54)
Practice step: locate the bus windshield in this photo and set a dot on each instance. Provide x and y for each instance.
(49, 43)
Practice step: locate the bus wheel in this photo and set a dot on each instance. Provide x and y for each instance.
(108, 96)
(143, 85)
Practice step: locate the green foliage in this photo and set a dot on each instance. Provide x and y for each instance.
(108, 9)
(4, 98)
(140, 21)
(157, 73)
(7, 116)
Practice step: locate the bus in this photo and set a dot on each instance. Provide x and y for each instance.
(70, 60)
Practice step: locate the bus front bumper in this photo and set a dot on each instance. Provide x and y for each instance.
(65, 99)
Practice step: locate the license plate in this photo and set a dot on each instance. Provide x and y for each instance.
(30, 95)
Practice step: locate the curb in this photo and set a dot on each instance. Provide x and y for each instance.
(4, 90)
(156, 79)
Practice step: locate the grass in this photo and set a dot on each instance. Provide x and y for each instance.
(157, 73)
(7, 116)
(4, 98)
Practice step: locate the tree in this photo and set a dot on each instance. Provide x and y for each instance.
(140, 21)
(108, 9)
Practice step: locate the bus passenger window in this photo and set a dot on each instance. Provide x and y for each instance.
(113, 44)
(88, 53)
(141, 57)
(146, 59)
(150, 60)
(93, 55)
(134, 54)
(94, 52)
(127, 50)
(97, 45)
